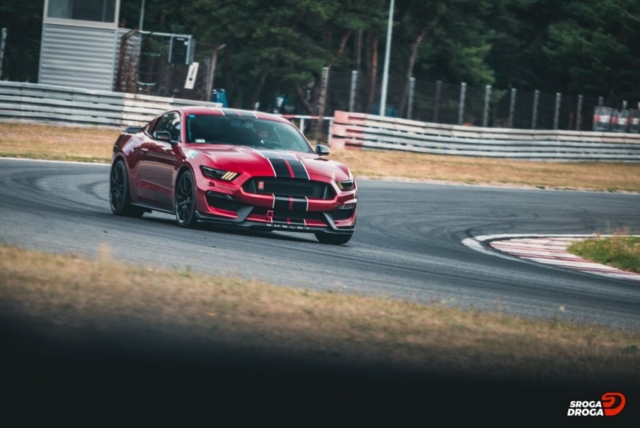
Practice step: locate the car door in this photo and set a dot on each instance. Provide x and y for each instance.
(140, 165)
(161, 159)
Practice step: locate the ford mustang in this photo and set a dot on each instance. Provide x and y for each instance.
(232, 167)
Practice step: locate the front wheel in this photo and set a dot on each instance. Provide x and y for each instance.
(185, 201)
(119, 195)
(327, 238)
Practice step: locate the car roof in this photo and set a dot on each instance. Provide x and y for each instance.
(215, 111)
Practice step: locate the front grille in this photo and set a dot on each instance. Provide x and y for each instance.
(289, 187)
(300, 215)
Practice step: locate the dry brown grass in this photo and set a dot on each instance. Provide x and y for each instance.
(95, 144)
(70, 291)
(90, 144)
(587, 176)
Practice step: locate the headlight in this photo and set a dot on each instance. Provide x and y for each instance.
(218, 174)
(346, 185)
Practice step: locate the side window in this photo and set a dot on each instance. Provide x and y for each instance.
(170, 123)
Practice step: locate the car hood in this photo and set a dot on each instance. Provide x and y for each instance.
(256, 162)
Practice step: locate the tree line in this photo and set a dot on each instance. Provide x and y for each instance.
(587, 47)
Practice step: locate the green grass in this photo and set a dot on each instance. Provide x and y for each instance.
(619, 251)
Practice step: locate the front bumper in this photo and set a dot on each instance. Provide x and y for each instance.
(231, 205)
(289, 226)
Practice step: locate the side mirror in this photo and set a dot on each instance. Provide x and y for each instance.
(322, 150)
(162, 136)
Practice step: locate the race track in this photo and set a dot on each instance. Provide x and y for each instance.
(407, 245)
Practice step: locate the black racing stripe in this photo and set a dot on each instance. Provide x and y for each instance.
(280, 167)
(281, 203)
(282, 155)
(298, 169)
(286, 203)
(280, 161)
(299, 204)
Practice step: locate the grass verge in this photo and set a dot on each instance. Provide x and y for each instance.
(620, 251)
(74, 292)
(95, 144)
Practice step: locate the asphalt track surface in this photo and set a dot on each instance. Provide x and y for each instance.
(407, 245)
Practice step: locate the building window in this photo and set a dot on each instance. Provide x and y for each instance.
(84, 10)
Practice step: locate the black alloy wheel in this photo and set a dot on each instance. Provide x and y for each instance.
(185, 201)
(119, 196)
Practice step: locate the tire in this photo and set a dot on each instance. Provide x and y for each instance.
(327, 238)
(119, 192)
(185, 201)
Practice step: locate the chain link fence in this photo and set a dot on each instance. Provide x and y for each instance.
(437, 102)
(461, 104)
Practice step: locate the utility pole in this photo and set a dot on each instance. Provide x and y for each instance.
(385, 75)
(141, 16)
(3, 41)
(212, 70)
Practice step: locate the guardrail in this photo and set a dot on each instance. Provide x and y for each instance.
(301, 120)
(45, 103)
(358, 130)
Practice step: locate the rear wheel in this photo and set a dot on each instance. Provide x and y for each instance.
(185, 201)
(328, 238)
(119, 196)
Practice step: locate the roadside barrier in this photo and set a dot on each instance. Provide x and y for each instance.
(634, 121)
(34, 102)
(364, 131)
(602, 119)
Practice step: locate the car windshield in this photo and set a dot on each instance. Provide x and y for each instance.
(242, 131)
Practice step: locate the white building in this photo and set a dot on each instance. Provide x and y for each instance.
(80, 43)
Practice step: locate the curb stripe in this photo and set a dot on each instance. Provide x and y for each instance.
(552, 251)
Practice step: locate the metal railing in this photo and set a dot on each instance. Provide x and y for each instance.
(45, 103)
(357, 130)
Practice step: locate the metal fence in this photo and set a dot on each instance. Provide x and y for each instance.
(32, 102)
(370, 131)
(461, 104)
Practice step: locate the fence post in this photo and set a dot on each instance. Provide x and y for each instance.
(579, 114)
(556, 115)
(323, 96)
(354, 88)
(512, 107)
(412, 88)
(487, 97)
(534, 118)
(436, 110)
(463, 94)
(3, 40)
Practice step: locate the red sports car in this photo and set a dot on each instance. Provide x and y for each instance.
(232, 167)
